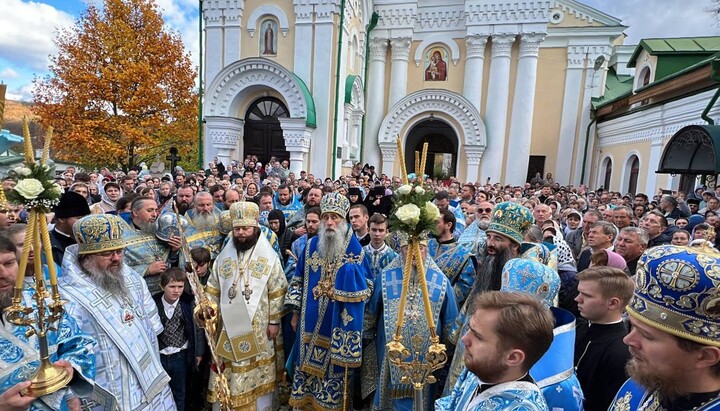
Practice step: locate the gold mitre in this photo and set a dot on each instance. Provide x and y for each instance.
(245, 214)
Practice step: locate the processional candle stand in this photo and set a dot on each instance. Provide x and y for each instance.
(414, 366)
(37, 191)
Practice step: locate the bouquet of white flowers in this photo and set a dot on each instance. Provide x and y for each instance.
(36, 187)
(413, 211)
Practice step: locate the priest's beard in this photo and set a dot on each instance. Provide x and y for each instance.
(110, 279)
(489, 272)
(182, 207)
(148, 227)
(204, 219)
(331, 241)
(483, 224)
(246, 243)
(5, 299)
(489, 368)
(665, 384)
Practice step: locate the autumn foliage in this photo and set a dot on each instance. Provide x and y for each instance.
(121, 88)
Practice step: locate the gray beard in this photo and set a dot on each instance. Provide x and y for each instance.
(148, 228)
(111, 280)
(331, 244)
(203, 220)
(489, 273)
(483, 224)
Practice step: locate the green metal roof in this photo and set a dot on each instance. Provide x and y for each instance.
(310, 119)
(615, 86)
(682, 45)
(348, 88)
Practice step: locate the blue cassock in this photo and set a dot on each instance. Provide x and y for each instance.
(473, 239)
(382, 318)
(288, 210)
(634, 397)
(514, 395)
(329, 341)
(555, 372)
(379, 259)
(457, 264)
(19, 357)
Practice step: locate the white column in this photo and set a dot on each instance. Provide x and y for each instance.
(496, 111)
(375, 100)
(322, 83)
(400, 51)
(653, 164)
(297, 142)
(223, 136)
(568, 121)
(303, 43)
(388, 158)
(213, 44)
(474, 62)
(472, 157)
(233, 19)
(516, 167)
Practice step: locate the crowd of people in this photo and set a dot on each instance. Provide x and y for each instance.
(546, 297)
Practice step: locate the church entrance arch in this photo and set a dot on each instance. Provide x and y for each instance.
(442, 147)
(263, 134)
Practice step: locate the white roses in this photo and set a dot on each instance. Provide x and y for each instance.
(22, 171)
(404, 189)
(431, 211)
(409, 214)
(29, 188)
(419, 190)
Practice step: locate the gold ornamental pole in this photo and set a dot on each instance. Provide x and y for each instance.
(45, 315)
(415, 371)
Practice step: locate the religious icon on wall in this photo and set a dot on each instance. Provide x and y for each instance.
(268, 37)
(435, 64)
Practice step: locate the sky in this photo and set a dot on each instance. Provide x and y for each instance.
(27, 29)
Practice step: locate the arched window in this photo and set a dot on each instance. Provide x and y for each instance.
(607, 170)
(634, 164)
(645, 77)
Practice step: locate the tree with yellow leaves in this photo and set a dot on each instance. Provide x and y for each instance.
(121, 88)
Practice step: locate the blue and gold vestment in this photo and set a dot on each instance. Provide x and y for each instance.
(20, 359)
(382, 319)
(330, 296)
(208, 237)
(457, 264)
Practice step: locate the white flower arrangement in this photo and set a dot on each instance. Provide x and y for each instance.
(29, 188)
(409, 214)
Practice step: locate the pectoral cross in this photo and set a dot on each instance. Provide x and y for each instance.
(247, 292)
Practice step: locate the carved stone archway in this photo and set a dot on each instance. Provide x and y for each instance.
(470, 131)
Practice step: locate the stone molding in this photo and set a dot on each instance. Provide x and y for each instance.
(530, 44)
(396, 17)
(400, 48)
(224, 131)
(502, 45)
(432, 20)
(268, 10)
(530, 11)
(476, 46)
(473, 155)
(435, 101)
(378, 49)
(222, 95)
(445, 39)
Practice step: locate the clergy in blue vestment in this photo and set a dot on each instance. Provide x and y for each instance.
(473, 237)
(328, 294)
(203, 225)
(378, 254)
(286, 202)
(19, 356)
(111, 303)
(453, 260)
(507, 333)
(675, 335)
(382, 320)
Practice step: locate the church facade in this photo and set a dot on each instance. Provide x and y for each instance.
(498, 89)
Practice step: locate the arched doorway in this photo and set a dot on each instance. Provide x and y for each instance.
(442, 147)
(263, 135)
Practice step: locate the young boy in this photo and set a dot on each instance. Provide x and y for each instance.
(201, 259)
(181, 347)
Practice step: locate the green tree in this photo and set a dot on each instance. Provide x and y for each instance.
(121, 88)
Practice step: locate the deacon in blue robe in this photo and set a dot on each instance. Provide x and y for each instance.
(378, 259)
(473, 239)
(382, 319)
(457, 264)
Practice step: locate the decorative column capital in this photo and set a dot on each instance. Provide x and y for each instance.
(400, 48)
(576, 56)
(476, 45)
(530, 44)
(473, 155)
(378, 48)
(502, 45)
(388, 153)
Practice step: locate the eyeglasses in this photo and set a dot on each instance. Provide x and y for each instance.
(111, 253)
(484, 210)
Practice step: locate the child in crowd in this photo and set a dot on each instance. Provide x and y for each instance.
(181, 342)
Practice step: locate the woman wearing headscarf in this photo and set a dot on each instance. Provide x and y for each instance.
(276, 222)
(110, 193)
